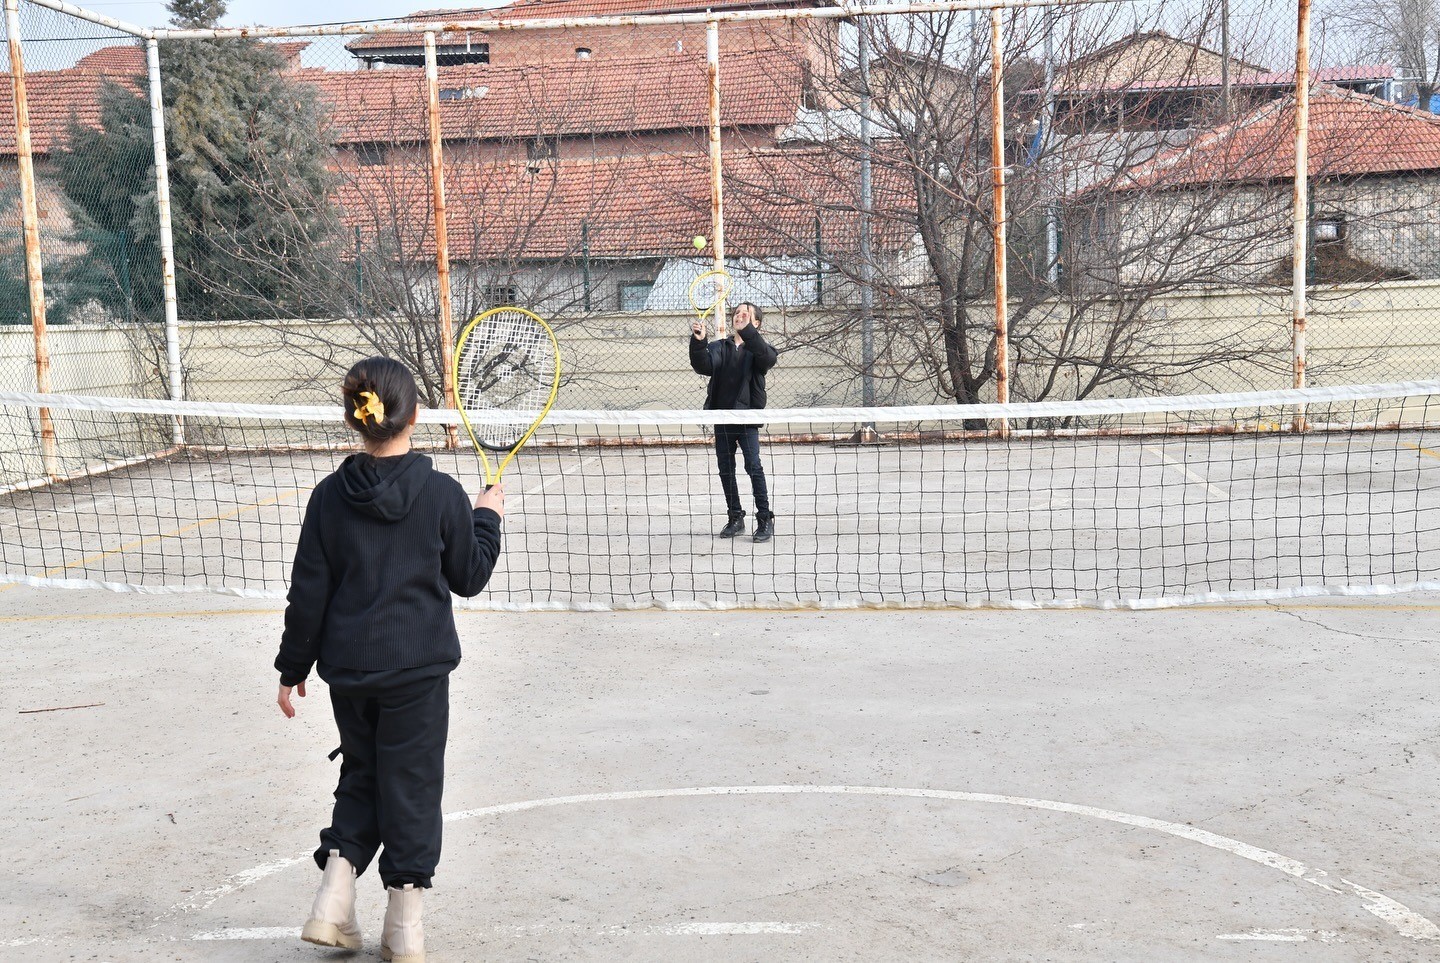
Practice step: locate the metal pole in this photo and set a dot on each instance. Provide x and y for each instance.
(717, 181)
(1300, 212)
(585, 260)
(867, 203)
(819, 265)
(997, 166)
(167, 236)
(442, 235)
(1225, 58)
(359, 278)
(1047, 117)
(30, 216)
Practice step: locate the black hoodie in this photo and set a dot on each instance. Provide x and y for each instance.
(384, 543)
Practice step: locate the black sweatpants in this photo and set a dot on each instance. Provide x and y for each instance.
(391, 780)
(747, 439)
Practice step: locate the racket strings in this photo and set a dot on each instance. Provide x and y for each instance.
(506, 367)
(709, 290)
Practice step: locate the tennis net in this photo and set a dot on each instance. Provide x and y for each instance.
(1137, 503)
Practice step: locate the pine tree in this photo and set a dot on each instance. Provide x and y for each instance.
(248, 184)
(107, 175)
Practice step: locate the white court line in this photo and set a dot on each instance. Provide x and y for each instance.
(255, 933)
(1405, 920)
(749, 928)
(554, 477)
(1282, 936)
(1212, 489)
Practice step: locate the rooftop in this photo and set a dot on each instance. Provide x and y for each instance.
(562, 10)
(630, 207)
(1350, 135)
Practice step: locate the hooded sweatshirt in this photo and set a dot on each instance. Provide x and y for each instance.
(384, 543)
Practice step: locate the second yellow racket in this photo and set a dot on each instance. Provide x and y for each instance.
(507, 373)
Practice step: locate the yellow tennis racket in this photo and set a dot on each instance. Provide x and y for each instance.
(708, 293)
(507, 373)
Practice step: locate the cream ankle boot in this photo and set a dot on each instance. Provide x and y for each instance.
(332, 919)
(403, 939)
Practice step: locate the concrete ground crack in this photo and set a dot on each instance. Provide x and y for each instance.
(1330, 628)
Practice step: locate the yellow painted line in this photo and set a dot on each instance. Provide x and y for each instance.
(151, 539)
(1423, 451)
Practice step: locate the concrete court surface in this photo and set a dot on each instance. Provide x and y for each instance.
(1256, 782)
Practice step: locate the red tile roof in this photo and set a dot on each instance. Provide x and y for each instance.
(562, 9)
(388, 106)
(609, 96)
(131, 57)
(1350, 135)
(117, 59)
(55, 97)
(1280, 78)
(628, 207)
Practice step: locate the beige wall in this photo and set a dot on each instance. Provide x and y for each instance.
(1387, 332)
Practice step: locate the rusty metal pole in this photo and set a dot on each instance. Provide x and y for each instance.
(717, 181)
(997, 166)
(167, 235)
(30, 216)
(1300, 219)
(442, 235)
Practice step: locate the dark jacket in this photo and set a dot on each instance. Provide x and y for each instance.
(737, 372)
(384, 543)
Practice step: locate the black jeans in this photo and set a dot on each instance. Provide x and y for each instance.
(391, 780)
(747, 439)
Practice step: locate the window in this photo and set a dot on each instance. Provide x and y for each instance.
(634, 294)
(499, 295)
(463, 93)
(542, 148)
(1329, 229)
(370, 155)
(453, 55)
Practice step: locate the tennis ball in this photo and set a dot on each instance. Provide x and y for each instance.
(699, 242)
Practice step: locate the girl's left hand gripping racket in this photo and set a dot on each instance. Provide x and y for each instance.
(507, 373)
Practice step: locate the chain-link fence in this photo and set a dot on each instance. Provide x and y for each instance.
(1143, 157)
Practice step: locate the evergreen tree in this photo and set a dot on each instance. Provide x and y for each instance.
(107, 174)
(248, 184)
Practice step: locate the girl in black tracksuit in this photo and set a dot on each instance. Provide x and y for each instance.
(385, 541)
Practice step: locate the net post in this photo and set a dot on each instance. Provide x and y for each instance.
(442, 236)
(167, 235)
(717, 198)
(1300, 218)
(30, 215)
(867, 266)
(997, 166)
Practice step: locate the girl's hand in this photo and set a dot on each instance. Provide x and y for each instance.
(698, 327)
(284, 699)
(494, 499)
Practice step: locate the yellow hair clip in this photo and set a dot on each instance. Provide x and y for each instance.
(373, 406)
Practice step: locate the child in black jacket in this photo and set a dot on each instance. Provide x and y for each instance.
(736, 368)
(385, 541)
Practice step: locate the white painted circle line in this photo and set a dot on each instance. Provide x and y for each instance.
(1405, 920)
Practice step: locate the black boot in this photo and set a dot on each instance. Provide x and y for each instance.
(764, 526)
(734, 526)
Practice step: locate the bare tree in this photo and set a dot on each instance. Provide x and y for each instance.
(1078, 325)
(1405, 31)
